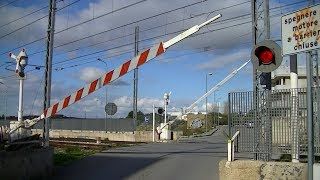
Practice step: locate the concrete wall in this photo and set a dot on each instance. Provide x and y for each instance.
(137, 136)
(27, 164)
(249, 169)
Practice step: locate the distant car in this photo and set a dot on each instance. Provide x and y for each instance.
(249, 124)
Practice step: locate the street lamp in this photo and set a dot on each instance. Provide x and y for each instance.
(207, 100)
(5, 116)
(105, 121)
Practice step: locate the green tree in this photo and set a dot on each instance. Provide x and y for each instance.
(140, 116)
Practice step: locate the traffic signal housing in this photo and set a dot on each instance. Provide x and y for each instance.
(160, 110)
(22, 62)
(266, 56)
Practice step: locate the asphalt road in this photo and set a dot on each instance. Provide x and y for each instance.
(194, 159)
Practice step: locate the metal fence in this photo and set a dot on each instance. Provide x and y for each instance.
(117, 125)
(268, 121)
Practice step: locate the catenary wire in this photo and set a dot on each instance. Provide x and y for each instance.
(26, 25)
(109, 29)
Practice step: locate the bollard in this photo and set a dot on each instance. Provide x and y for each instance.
(231, 145)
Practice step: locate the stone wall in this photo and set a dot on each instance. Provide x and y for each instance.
(250, 169)
(136, 136)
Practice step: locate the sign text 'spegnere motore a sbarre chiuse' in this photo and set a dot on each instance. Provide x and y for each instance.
(301, 30)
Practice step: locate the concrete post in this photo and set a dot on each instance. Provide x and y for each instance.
(294, 109)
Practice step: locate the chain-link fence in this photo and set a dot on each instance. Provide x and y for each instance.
(272, 122)
(111, 125)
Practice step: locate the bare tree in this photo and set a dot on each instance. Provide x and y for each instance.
(226, 107)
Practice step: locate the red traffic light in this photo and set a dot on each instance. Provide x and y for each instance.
(265, 55)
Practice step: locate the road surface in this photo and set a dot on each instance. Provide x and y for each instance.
(189, 159)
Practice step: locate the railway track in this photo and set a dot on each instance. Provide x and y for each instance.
(88, 143)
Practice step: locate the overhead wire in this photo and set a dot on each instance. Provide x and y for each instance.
(100, 16)
(155, 37)
(141, 31)
(189, 5)
(26, 25)
(130, 44)
(176, 56)
(167, 34)
(234, 19)
(36, 95)
(124, 25)
(186, 54)
(8, 3)
(197, 35)
(24, 16)
(117, 47)
(179, 31)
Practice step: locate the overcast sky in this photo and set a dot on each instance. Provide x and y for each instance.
(90, 29)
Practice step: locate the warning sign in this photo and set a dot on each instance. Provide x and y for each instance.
(301, 30)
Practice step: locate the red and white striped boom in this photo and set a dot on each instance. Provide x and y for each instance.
(112, 75)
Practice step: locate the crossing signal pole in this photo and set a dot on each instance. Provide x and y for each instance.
(22, 62)
(260, 32)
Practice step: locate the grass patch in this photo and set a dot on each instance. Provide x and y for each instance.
(64, 155)
(285, 158)
(189, 132)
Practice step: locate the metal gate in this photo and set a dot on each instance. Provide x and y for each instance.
(266, 122)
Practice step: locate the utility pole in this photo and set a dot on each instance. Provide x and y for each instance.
(48, 70)
(135, 79)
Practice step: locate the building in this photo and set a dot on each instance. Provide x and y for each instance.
(280, 78)
(282, 104)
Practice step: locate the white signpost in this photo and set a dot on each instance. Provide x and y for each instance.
(301, 30)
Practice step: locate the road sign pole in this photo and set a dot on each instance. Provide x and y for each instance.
(310, 117)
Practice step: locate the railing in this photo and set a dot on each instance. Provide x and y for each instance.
(269, 129)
